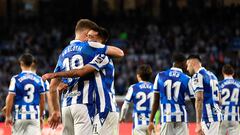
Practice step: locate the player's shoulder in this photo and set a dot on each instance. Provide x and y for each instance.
(95, 44)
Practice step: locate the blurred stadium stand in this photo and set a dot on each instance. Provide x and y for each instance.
(148, 32)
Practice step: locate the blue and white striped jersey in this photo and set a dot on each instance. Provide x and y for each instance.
(207, 82)
(27, 87)
(75, 56)
(141, 94)
(105, 92)
(229, 89)
(173, 86)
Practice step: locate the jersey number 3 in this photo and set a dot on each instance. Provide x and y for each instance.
(30, 93)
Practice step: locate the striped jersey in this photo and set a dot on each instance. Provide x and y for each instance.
(173, 86)
(105, 92)
(229, 89)
(141, 94)
(207, 82)
(75, 56)
(27, 87)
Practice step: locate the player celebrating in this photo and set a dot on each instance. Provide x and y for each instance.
(78, 103)
(205, 85)
(106, 120)
(26, 97)
(141, 95)
(171, 88)
(229, 89)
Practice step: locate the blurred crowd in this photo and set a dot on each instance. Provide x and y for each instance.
(215, 36)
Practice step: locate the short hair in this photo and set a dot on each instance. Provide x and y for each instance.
(83, 24)
(34, 64)
(178, 58)
(194, 56)
(228, 69)
(145, 72)
(27, 59)
(103, 33)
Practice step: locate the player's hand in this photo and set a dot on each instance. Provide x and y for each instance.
(122, 120)
(48, 76)
(198, 129)
(62, 87)
(4, 110)
(55, 119)
(41, 123)
(8, 121)
(151, 128)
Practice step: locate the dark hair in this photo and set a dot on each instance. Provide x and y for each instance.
(178, 58)
(34, 64)
(228, 69)
(194, 56)
(145, 72)
(103, 33)
(83, 24)
(26, 59)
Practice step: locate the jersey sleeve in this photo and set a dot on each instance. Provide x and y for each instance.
(100, 48)
(59, 67)
(190, 90)
(42, 88)
(156, 85)
(99, 61)
(46, 85)
(129, 95)
(197, 83)
(12, 86)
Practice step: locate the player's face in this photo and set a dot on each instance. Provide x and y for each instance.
(93, 36)
(190, 67)
(85, 35)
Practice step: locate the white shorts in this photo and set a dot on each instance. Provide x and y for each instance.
(211, 128)
(109, 127)
(26, 127)
(76, 119)
(232, 127)
(174, 128)
(140, 130)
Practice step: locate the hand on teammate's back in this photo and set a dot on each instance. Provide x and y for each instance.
(54, 119)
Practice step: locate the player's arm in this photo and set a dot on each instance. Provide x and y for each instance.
(114, 51)
(124, 111)
(42, 102)
(54, 103)
(155, 104)
(109, 50)
(9, 105)
(126, 103)
(99, 62)
(199, 106)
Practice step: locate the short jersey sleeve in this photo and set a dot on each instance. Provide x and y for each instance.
(46, 85)
(129, 95)
(156, 84)
(42, 88)
(100, 48)
(59, 67)
(99, 61)
(12, 86)
(190, 90)
(197, 82)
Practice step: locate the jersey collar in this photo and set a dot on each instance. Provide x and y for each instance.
(27, 71)
(228, 77)
(178, 69)
(74, 41)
